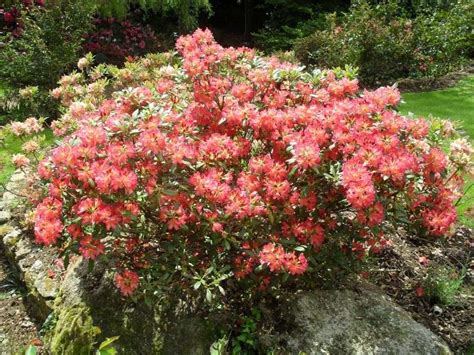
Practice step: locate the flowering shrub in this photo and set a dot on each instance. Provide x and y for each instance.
(117, 39)
(229, 170)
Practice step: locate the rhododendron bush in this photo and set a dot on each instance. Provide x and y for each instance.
(229, 170)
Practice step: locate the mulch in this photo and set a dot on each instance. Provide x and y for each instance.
(430, 84)
(402, 270)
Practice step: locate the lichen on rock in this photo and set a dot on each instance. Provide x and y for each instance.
(359, 319)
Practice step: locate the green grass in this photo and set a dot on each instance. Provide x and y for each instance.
(456, 104)
(11, 146)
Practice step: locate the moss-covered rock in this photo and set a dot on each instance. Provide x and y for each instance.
(188, 336)
(74, 332)
(90, 304)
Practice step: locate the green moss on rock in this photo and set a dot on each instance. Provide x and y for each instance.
(74, 332)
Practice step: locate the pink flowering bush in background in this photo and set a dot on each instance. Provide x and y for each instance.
(223, 170)
(10, 16)
(117, 39)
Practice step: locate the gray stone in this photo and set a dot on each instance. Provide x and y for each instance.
(89, 304)
(17, 176)
(5, 216)
(362, 321)
(7, 198)
(37, 265)
(46, 287)
(23, 248)
(11, 238)
(188, 336)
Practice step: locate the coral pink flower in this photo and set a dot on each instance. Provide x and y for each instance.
(127, 282)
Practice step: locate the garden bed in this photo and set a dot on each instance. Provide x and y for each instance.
(400, 272)
(215, 194)
(430, 84)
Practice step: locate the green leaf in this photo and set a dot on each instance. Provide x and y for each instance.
(106, 348)
(170, 192)
(293, 171)
(108, 351)
(31, 350)
(90, 265)
(218, 347)
(66, 260)
(107, 342)
(208, 296)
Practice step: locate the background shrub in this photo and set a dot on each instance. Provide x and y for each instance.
(444, 39)
(48, 44)
(184, 12)
(387, 44)
(44, 43)
(287, 21)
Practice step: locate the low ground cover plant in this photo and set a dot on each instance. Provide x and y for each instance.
(219, 174)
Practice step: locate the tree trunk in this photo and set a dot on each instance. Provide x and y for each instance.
(248, 11)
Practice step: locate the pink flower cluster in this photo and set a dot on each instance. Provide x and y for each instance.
(240, 161)
(30, 126)
(277, 259)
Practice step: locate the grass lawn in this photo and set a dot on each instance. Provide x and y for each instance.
(12, 145)
(457, 104)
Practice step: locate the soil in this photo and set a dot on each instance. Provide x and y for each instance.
(17, 329)
(429, 84)
(403, 271)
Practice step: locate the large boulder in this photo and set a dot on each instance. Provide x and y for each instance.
(356, 320)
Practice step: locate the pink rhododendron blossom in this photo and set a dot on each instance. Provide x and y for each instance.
(20, 160)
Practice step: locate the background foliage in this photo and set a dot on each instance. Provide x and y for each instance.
(386, 44)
